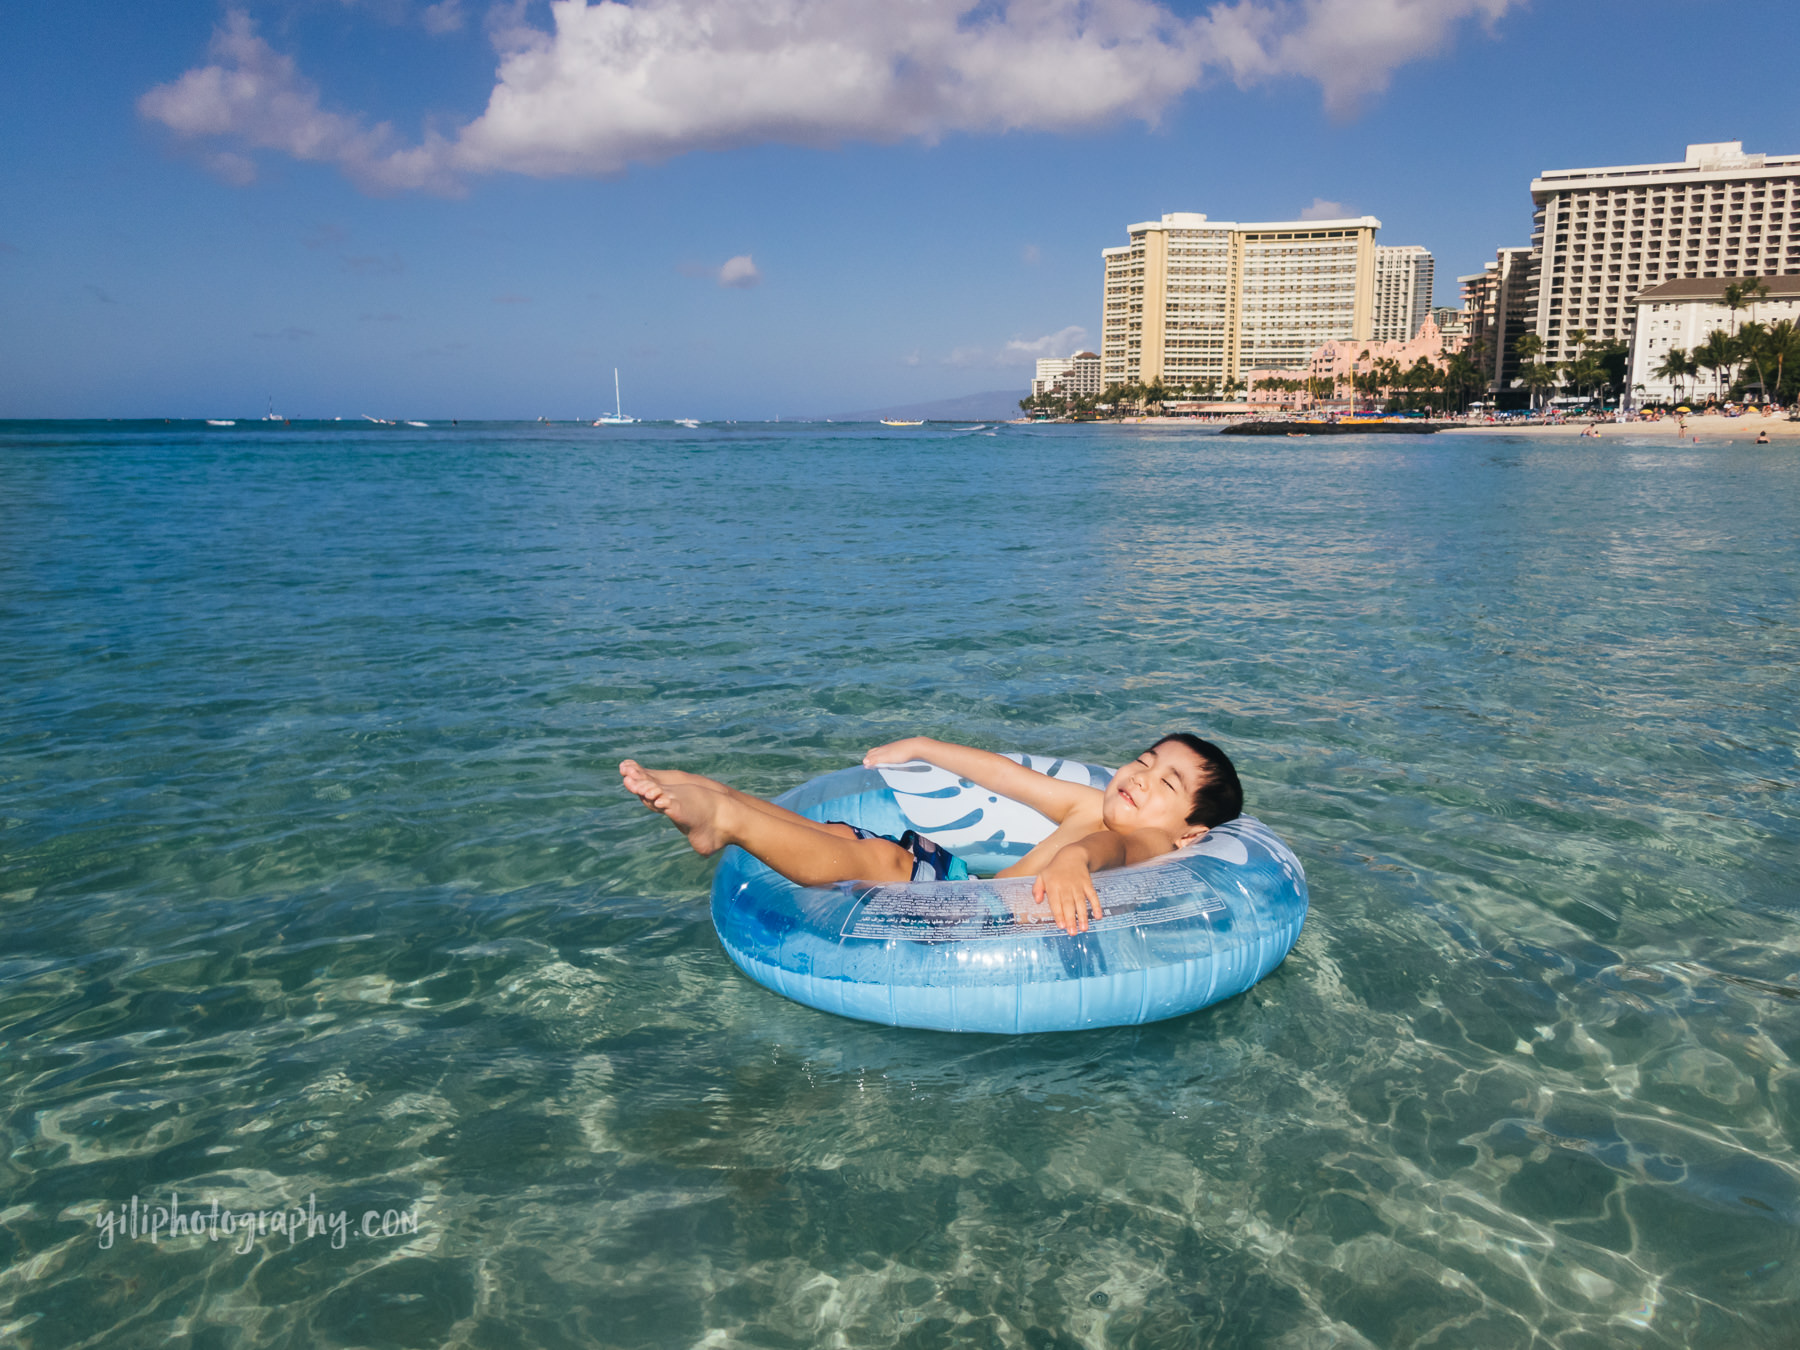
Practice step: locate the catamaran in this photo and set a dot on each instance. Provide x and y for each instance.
(617, 417)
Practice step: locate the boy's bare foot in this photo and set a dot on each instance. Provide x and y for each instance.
(690, 806)
(637, 779)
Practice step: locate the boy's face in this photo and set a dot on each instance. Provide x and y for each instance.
(1156, 790)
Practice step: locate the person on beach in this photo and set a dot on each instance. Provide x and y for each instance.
(1165, 799)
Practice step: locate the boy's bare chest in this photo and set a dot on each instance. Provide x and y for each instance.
(1078, 825)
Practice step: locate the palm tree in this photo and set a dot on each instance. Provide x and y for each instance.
(1425, 377)
(1742, 294)
(1387, 371)
(1584, 373)
(1462, 377)
(1528, 347)
(1674, 369)
(1752, 341)
(1577, 339)
(1783, 345)
(1734, 300)
(1717, 354)
(1613, 357)
(1583, 368)
(1757, 290)
(1475, 352)
(1538, 377)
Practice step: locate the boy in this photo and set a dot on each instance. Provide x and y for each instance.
(1164, 800)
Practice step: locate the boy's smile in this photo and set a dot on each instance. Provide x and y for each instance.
(1156, 790)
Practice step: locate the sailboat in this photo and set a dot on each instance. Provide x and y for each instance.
(617, 417)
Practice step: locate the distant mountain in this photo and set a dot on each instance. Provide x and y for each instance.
(988, 407)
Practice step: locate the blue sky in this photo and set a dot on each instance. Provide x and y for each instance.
(465, 209)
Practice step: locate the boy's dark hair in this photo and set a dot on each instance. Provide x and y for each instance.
(1221, 796)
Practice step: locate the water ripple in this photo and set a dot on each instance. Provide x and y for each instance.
(316, 883)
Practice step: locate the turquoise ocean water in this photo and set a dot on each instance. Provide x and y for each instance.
(317, 888)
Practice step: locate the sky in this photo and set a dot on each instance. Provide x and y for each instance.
(752, 208)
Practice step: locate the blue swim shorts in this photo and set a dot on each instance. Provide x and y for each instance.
(931, 860)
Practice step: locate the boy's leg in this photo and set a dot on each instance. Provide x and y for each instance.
(712, 815)
(635, 775)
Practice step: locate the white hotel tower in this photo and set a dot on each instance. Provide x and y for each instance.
(1404, 276)
(1604, 236)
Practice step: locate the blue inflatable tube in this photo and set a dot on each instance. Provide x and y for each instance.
(1179, 933)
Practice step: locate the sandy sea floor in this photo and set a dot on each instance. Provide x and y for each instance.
(319, 892)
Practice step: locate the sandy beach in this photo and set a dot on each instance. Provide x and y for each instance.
(1719, 429)
(1748, 428)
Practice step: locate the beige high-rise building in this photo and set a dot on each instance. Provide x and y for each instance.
(1604, 235)
(1194, 302)
(1500, 304)
(1404, 277)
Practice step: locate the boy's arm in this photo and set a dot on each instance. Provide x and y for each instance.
(1067, 882)
(1049, 796)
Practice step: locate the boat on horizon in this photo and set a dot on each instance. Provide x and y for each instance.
(690, 422)
(898, 422)
(418, 424)
(219, 422)
(617, 417)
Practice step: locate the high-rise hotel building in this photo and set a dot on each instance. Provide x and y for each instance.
(1500, 306)
(1602, 236)
(1404, 276)
(1194, 301)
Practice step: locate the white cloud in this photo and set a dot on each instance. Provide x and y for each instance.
(1018, 352)
(611, 84)
(1063, 342)
(445, 17)
(1324, 210)
(1350, 48)
(258, 98)
(739, 272)
(238, 170)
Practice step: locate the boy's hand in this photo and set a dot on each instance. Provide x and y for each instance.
(896, 752)
(1067, 886)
